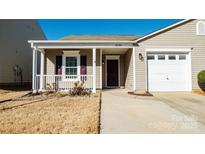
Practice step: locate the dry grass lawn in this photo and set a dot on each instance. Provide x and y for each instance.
(9, 94)
(51, 114)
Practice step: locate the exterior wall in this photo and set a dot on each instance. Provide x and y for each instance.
(125, 63)
(15, 50)
(128, 70)
(180, 36)
(122, 71)
(50, 62)
(103, 71)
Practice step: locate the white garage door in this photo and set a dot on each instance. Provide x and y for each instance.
(168, 72)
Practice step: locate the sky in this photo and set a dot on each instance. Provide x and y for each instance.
(57, 28)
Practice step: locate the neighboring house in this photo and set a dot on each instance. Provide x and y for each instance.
(166, 60)
(15, 52)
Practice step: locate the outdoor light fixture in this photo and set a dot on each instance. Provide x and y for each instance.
(141, 57)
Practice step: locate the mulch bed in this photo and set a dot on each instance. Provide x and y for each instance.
(199, 92)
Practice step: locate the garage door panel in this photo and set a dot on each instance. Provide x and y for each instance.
(168, 75)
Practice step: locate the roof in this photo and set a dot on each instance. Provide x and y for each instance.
(101, 37)
(163, 29)
(109, 38)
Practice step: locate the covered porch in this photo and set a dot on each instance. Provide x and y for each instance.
(98, 65)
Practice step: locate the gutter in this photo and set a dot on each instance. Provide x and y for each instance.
(79, 41)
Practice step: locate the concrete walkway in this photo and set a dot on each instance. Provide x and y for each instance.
(124, 113)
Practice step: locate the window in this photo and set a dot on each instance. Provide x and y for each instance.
(172, 57)
(200, 28)
(182, 57)
(161, 57)
(71, 67)
(150, 57)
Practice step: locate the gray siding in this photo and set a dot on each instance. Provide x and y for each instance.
(50, 62)
(14, 48)
(180, 36)
(125, 66)
(128, 70)
(103, 71)
(122, 71)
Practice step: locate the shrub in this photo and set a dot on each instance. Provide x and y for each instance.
(201, 80)
(79, 89)
(201, 77)
(51, 87)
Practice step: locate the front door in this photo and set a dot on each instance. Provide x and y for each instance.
(112, 73)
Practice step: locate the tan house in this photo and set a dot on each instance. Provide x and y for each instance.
(15, 52)
(166, 60)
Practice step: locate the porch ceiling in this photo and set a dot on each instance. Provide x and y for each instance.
(115, 51)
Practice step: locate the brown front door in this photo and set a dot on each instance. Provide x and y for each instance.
(112, 73)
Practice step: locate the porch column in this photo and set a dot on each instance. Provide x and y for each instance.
(101, 68)
(42, 70)
(134, 68)
(34, 70)
(94, 70)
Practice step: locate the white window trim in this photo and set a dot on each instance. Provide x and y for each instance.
(70, 54)
(112, 57)
(197, 27)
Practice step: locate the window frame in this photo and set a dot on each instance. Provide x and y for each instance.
(70, 54)
(197, 28)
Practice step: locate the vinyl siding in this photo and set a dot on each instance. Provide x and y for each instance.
(183, 35)
(128, 70)
(50, 62)
(122, 70)
(103, 72)
(15, 50)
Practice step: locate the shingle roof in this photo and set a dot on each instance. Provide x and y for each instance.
(101, 37)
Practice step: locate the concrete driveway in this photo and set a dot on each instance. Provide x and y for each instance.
(187, 103)
(124, 113)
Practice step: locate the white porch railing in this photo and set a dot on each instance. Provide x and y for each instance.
(62, 82)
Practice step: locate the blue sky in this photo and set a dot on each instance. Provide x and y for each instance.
(57, 28)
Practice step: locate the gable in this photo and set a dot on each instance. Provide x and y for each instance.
(184, 34)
